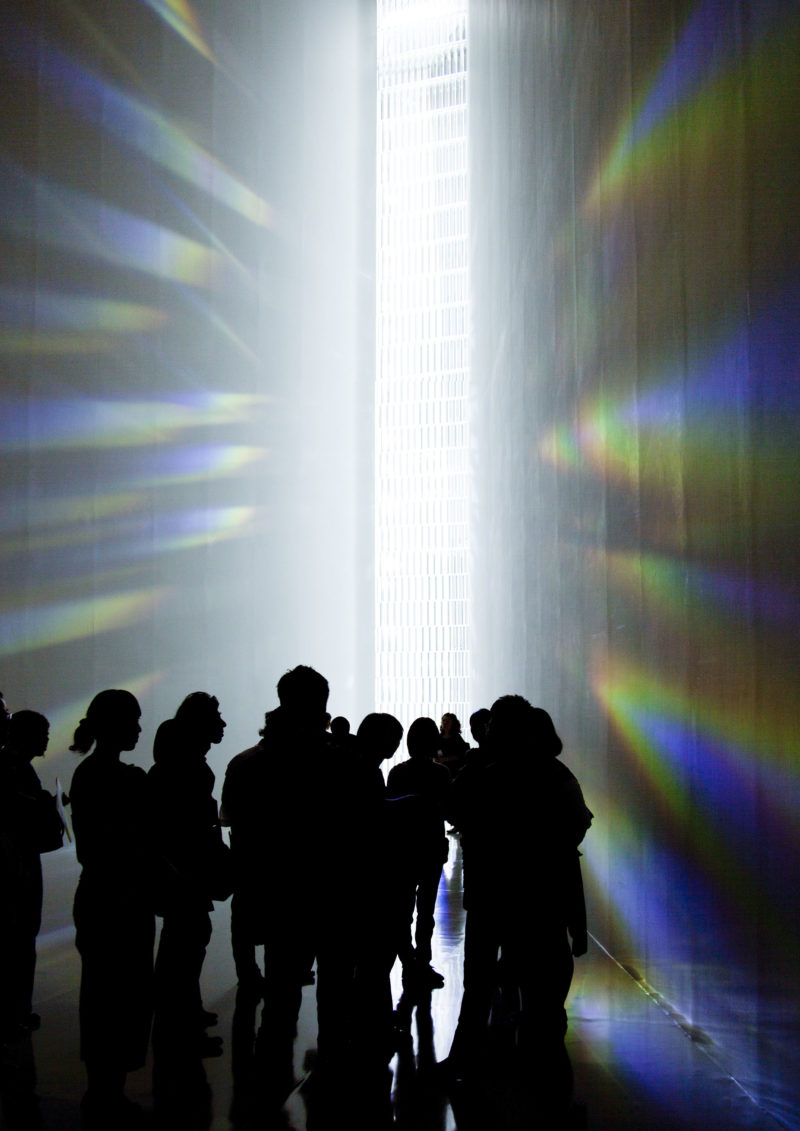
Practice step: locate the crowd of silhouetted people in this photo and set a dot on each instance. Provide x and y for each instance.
(331, 868)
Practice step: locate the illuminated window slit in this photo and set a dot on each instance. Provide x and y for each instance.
(422, 381)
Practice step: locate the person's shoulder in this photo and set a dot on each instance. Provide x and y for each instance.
(400, 769)
(133, 773)
(84, 773)
(401, 777)
(155, 773)
(242, 759)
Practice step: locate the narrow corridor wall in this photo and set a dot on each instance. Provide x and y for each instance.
(186, 329)
(637, 333)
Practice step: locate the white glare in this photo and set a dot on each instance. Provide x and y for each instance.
(422, 384)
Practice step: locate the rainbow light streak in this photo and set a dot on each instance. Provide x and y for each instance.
(698, 85)
(705, 780)
(777, 744)
(203, 527)
(711, 40)
(673, 583)
(78, 535)
(136, 536)
(68, 219)
(91, 423)
(180, 16)
(603, 438)
(135, 124)
(73, 508)
(197, 462)
(51, 344)
(208, 234)
(596, 867)
(620, 870)
(766, 348)
(212, 318)
(754, 371)
(677, 804)
(60, 317)
(614, 849)
(561, 447)
(25, 630)
(720, 778)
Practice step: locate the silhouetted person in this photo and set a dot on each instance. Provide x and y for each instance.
(523, 817)
(420, 846)
(289, 837)
(341, 738)
(478, 755)
(375, 879)
(247, 904)
(30, 825)
(187, 839)
(114, 919)
(452, 746)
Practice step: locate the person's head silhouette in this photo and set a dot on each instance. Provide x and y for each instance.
(199, 715)
(303, 695)
(479, 724)
(28, 734)
(340, 727)
(451, 725)
(379, 736)
(519, 729)
(111, 723)
(422, 739)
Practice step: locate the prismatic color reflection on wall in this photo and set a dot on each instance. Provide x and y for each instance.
(157, 397)
(642, 293)
(690, 428)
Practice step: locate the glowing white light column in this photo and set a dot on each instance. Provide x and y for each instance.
(422, 384)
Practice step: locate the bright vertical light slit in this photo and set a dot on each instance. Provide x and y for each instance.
(422, 383)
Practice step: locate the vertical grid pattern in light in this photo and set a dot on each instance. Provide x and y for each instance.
(422, 384)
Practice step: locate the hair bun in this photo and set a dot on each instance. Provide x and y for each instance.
(83, 738)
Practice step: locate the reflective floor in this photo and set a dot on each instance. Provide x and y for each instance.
(629, 1067)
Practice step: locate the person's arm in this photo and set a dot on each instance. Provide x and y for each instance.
(228, 799)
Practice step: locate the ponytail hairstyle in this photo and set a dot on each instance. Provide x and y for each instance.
(104, 711)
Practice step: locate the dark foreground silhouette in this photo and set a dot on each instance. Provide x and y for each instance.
(330, 868)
